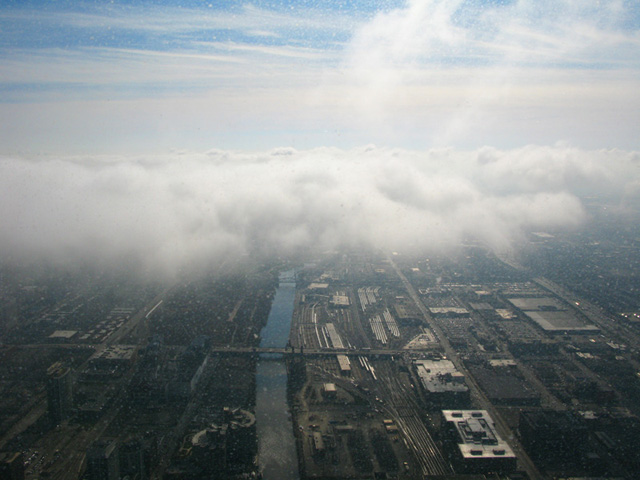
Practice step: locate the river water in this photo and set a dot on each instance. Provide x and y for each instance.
(276, 444)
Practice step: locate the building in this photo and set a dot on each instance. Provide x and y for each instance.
(114, 357)
(329, 390)
(59, 392)
(102, 461)
(63, 336)
(223, 448)
(442, 383)
(503, 387)
(476, 446)
(11, 466)
(318, 444)
(190, 366)
(552, 316)
(345, 364)
(334, 336)
(339, 301)
(552, 437)
(131, 459)
(449, 312)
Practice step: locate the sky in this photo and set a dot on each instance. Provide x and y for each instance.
(171, 132)
(127, 76)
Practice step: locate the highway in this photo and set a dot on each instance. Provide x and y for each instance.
(144, 314)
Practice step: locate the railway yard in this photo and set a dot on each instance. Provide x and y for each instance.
(368, 411)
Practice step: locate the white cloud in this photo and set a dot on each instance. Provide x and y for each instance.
(178, 211)
(499, 60)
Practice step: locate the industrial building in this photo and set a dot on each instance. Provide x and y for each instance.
(478, 446)
(340, 301)
(63, 336)
(450, 312)
(334, 336)
(345, 364)
(442, 383)
(552, 316)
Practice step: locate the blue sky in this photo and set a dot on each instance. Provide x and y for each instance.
(148, 76)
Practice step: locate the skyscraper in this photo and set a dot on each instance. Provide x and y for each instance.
(102, 460)
(59, 392)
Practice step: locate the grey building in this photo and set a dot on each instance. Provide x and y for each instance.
(59, 392)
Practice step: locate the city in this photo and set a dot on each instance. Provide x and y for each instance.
(354, 364)
(306, 240)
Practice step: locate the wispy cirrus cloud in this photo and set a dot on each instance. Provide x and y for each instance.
(503, 59)
(417, 73)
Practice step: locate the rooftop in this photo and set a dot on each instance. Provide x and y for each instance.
(340, 300)
(115, 352)
(439, 376)
(67, 334)
(477, 435)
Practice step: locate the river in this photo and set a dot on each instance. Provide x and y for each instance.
(276, 443)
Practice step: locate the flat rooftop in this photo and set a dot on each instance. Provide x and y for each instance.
(115, 352)
(551, 315)
(438, 376)
(448, 311)
(561, 322)
(477, 435)
(340, 300)
(64, 334)
(343, 361)
(537, 303)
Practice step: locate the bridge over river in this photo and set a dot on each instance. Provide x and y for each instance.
(308, 351)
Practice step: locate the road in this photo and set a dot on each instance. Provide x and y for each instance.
(476, 392)
(130, 326)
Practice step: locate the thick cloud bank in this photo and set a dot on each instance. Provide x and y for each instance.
(174, 211)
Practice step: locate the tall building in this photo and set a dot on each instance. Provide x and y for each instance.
(102, 461)
(131, 457)
(59, 392)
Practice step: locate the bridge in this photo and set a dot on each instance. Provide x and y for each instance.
(307, 351)
(238, 350)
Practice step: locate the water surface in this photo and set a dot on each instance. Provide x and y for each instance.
(276, 444)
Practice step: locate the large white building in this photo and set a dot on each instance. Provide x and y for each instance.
(479, 446)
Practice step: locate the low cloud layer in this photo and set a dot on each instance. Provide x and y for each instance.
(166, 213)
